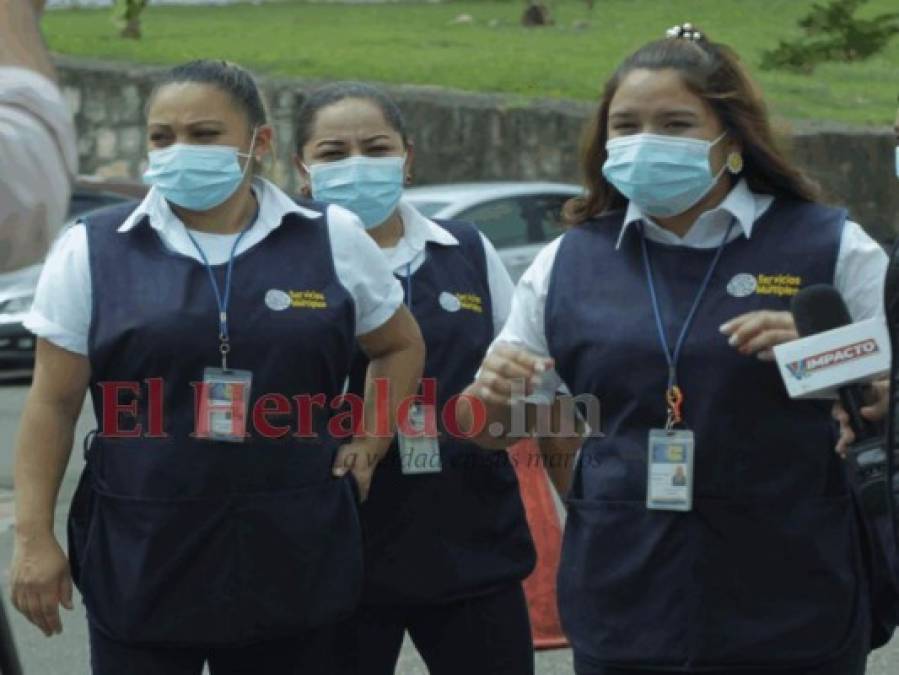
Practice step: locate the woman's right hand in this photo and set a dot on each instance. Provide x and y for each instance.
(509, 373)
(41, 581)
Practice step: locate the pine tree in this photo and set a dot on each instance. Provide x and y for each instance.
(832, 32)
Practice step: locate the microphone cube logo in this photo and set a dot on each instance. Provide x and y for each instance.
(809, 366)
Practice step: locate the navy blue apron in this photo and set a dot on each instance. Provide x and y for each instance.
(462, 532)
(178, 540)
(766, 568)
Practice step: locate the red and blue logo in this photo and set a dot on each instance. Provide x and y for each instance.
(834, 357)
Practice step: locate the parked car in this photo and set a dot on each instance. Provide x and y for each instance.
(518, 218)
(17, 288)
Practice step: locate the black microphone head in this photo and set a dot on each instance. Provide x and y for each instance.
(819, 308)
(891, 286)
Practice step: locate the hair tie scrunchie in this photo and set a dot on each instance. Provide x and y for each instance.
(683, 32)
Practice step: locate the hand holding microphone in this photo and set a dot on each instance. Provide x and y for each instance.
(878, 396)
(817, 309)
(878, 402)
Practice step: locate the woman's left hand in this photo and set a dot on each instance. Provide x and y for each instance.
(759, 332)
(359, 458)
(878, 399)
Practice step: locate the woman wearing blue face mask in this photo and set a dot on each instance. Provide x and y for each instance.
(664, 302)
(216, 519)
(447, 544)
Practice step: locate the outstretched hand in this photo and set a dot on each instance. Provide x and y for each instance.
(759, 332)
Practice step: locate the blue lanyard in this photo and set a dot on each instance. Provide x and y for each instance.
(220, 300)
(409, 285)
(674, 397)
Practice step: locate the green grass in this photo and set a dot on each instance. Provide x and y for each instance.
(415, 43)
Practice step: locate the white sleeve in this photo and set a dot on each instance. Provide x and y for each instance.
(363, 270)
(525, 325)
(860, 272)
(501, 286)
(38, 157)
(61, 312)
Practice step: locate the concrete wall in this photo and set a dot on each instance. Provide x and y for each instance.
(465, 137)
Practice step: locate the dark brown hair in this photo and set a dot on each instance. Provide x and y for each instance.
(714, 73)
(336, 92)
(232, 79)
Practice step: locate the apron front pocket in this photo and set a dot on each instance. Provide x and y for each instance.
(623, 583)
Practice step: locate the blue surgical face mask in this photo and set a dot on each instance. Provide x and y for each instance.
(663, 175)
(197, 177)
(370, 187)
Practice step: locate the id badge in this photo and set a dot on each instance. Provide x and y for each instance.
(420, 450)
(224, 405)
(669, 484)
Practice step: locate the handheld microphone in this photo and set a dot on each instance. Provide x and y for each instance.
(820, 308)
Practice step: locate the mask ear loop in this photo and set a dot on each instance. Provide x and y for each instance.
(249, 155)
(723, 166)
(307, 186)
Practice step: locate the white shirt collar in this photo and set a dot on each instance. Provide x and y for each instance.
(741, 205)
(274, 205)
(418, 231)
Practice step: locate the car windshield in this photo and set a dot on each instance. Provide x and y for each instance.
(429, 209)
(519, 220)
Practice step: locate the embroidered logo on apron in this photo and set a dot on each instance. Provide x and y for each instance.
(450, 302)
(277, 300)
(742, 286)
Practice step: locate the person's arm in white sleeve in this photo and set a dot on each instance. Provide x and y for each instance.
(39, 576)
(860, 272)
(38, 155)
(517, 362)
(501, 286)
(61, 312)
(387, 334)
(363, 270)
(858, 276)
(525, 325)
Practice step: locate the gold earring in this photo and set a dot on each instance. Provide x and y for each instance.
(735, 162)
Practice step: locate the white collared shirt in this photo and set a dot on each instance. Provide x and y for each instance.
(410, 253)
(38, 158)
(859, 275)
(61, 312)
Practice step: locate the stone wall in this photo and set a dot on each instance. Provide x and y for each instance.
(469, 137)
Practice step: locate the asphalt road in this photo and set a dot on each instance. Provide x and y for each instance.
(67, 654)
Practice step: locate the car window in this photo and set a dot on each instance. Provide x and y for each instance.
(543, 214)
(429, 209)
(500, 220)
(517, 221)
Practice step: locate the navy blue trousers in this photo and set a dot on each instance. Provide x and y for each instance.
(306, 654)
(484, 635)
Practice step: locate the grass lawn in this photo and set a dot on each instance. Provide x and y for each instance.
(416, 43)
